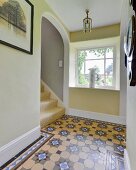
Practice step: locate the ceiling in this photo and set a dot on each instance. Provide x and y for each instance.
(72, 12)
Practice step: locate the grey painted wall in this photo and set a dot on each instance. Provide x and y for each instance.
(52, 52)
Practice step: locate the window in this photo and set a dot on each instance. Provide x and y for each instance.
(101, 61)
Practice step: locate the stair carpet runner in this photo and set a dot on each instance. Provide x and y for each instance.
(50, 111)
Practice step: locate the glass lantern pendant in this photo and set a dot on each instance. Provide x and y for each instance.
(87, 23)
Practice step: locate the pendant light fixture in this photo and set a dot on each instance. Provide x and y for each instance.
(87, 22)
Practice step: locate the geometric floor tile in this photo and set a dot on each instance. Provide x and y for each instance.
(26, 153)
(79, 144)
(114, 161)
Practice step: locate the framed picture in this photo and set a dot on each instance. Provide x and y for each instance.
(16, 24)
(130, 39)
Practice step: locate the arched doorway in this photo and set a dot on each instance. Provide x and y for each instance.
(56, 23)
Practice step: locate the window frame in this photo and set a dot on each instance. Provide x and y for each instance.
(114, 66)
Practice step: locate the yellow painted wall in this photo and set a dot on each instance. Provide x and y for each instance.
(20, 84)
(94, 100)
(97, 33)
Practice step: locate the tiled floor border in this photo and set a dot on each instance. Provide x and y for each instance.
(26, 153)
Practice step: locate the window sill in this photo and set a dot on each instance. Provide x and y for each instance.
(96, 88)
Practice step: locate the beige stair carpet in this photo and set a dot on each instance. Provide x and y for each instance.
(50, 111)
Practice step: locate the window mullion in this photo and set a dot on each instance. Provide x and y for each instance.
(84, 67)
(105, 68)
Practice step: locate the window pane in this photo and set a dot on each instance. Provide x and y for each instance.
(109, 72)
(97, 53)
(109, 52)
(109, 67)
(82, 68)
(99, 64)
(100, 80)
(82, 79)
(109, 80)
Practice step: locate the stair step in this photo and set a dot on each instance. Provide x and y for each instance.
(51, 115)
(45, 95)
(49, 108)
(42, 87)
(48, 104)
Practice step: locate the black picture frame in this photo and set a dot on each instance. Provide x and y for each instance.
(27, 31)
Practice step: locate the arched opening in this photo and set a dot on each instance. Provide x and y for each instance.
(59, 27)
(52, 57)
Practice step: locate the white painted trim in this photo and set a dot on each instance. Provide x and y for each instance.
(9, 150)
(65, 36)
(97, 116)
(53, 95)
(127, 160)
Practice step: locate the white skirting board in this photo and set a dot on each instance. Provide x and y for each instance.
(98, 116)
(9, 150)
(127, 161)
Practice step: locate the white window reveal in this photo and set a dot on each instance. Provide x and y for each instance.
(96, 68)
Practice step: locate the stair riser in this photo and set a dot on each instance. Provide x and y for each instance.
(51, 119)
(45, 96)
(42, 88)
(48, 105)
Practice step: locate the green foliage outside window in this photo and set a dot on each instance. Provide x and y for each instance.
(101, 80)
(81, 59)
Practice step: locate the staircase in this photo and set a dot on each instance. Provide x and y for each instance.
(50, 109)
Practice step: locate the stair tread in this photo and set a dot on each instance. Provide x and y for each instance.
(48, 100)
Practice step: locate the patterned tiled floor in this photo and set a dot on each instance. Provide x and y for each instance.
(80, 144)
